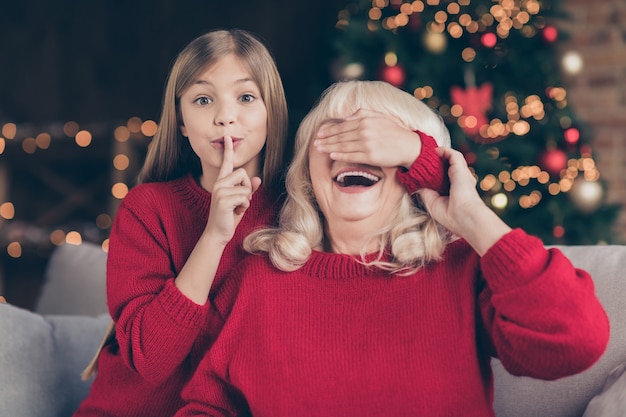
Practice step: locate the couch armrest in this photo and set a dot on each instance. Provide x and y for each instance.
(568, 397)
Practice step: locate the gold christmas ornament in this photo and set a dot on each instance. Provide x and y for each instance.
(586, 195)
(435, 42)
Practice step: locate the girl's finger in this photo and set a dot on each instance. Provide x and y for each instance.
(229, 157)
(237, 178)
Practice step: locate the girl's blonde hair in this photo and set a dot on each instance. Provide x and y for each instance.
(170, 155)
(412, 236)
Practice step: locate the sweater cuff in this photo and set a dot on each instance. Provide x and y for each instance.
(427, 171)
(181, 309)
(516, 259)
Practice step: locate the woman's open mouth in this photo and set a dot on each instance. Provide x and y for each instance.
(356, 179)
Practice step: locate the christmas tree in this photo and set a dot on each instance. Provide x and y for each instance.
(492, 70)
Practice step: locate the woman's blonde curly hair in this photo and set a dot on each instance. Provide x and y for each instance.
(410, 240)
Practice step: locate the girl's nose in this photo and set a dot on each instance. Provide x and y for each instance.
(225, 115)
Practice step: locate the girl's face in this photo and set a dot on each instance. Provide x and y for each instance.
(224, 100)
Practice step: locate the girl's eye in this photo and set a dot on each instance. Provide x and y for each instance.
(248, 98)
(203, 101)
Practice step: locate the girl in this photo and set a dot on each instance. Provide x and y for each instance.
(223, 125)
(363, 304)
(178, 233)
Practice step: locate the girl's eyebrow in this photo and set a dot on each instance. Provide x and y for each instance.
(201, 81)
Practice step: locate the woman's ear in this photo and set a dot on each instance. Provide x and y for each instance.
(183, 130)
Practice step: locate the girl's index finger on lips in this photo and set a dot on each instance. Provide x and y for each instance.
(229, 156)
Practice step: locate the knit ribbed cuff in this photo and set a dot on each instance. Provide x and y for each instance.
(514, 260)
(427, 171)
(180, 308)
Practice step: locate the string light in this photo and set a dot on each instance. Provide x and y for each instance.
(584, 189)
(33, 139)
(572, 62)
(7, 210)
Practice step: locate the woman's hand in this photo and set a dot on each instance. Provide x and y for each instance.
(463, 212)
(371, 138)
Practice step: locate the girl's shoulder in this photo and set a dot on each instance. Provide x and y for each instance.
(164, 189)
(148, 190)
(179, 189)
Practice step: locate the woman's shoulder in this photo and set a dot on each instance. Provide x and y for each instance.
(252, 266)
(459, 253)
(459, 246)
(246, 278)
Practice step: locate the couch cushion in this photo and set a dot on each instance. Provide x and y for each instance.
(611, 401)
(74, 281)
(41, 359)
(569, 396)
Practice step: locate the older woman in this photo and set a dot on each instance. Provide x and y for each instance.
(366, 301)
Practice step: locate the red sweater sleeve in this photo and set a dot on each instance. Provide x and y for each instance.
(156, 325)
(428, 170)
(208, 393)
(541, 313)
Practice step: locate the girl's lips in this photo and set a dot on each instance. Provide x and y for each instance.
(219, 143)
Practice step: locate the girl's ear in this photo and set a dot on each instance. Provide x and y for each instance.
(183, 130)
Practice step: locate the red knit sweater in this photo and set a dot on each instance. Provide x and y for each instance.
(337, 339)
(162, 335)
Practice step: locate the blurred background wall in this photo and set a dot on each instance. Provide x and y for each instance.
(598, 92)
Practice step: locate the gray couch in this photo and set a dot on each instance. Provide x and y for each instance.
(42, 353)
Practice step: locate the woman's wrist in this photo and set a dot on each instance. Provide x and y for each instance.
(482, 229)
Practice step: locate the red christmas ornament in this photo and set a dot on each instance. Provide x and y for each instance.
(558, 231)
(394, 75)
(476, 102)
(470, 158)
(550, 33)
(553, 161)
(489, 39)
(586, 150)
(571, 135)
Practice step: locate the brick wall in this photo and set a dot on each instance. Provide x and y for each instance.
(598, 93)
